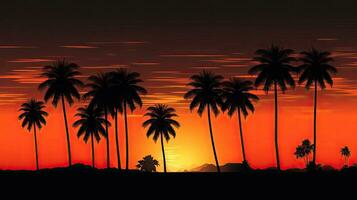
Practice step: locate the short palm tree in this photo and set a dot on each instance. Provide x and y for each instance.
(346, 153)
(274, 69)
(61, 84)
(128, 83)
(206, 94)
(147, 164)
(101, 97)
(161, 125)
(316, 71)
(304, 150)
(32, 116)
(91, 125)
(238, 99)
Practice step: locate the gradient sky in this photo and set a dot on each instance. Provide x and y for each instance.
(167, 43)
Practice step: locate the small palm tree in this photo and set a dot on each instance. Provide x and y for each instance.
(32, 116)
(304, 150)
(161, 125)
(274, 69)
(238, 99)
(317, 71)
(91, 125)
(101, 97)
(61, 84)
(206, 93)
(147, 164)
(128, 83)
(346, 153)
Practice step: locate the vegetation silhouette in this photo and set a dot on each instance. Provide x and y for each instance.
(147, 164)
(101, 97)
(128, 84)
(91, 125)
(238, 99)
(316, 71)
(161, 125)
(304, 150)
(274, 69)
(32, 116)
(346, 153)
(206, 92)
(61, 84)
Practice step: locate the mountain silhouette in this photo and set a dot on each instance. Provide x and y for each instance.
(229, 167)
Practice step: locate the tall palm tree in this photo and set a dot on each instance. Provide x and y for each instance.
(61, 84)
(101, 97)
(346, 153)
(161, 125)
(316, 71)
(128, 83)
(206, 93)
(91, 124)
(238, 99)
(32, 116)
(274, 69)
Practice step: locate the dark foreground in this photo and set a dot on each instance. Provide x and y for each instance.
(83, 179)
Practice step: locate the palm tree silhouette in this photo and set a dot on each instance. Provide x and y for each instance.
(91, 124)
(101, 97)
(161, 125)
(33, 116)
(206, 93)
(346, 153)
(128, 83)
(237, 98)
(304, 150)
(147, 164)
(316, 70)
(274, 69)
(62, 85)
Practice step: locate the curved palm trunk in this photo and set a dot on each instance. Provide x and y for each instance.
(67, 133)
(276, 125)
(36, 151)
(212, 140)
(163, 152)
(315, 108)
(241, 136)
(106, 130)
(117, 138)
(126, 137)
(93, 159)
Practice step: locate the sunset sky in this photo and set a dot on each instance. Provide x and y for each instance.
(167, 43)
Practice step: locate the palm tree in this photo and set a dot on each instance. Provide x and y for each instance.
(346, 153)
(316, 70)
(147, 164)
(161, 125)
(274, 69)
(237, 98)
(206, 93)
(33, 116)
(128, 83)
(304, 150)
(91, 124)
(62, 85)
(101, 97)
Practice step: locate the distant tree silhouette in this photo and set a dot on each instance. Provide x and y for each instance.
(32, 116)
(161, 125)
(91, 125)
(206, 93)
(238, 99)
(147, 164)
(304, 150)
(128, 83)
(316, 70)
(62, 85)
(102, 97)
(346, 153)
(274, 69)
